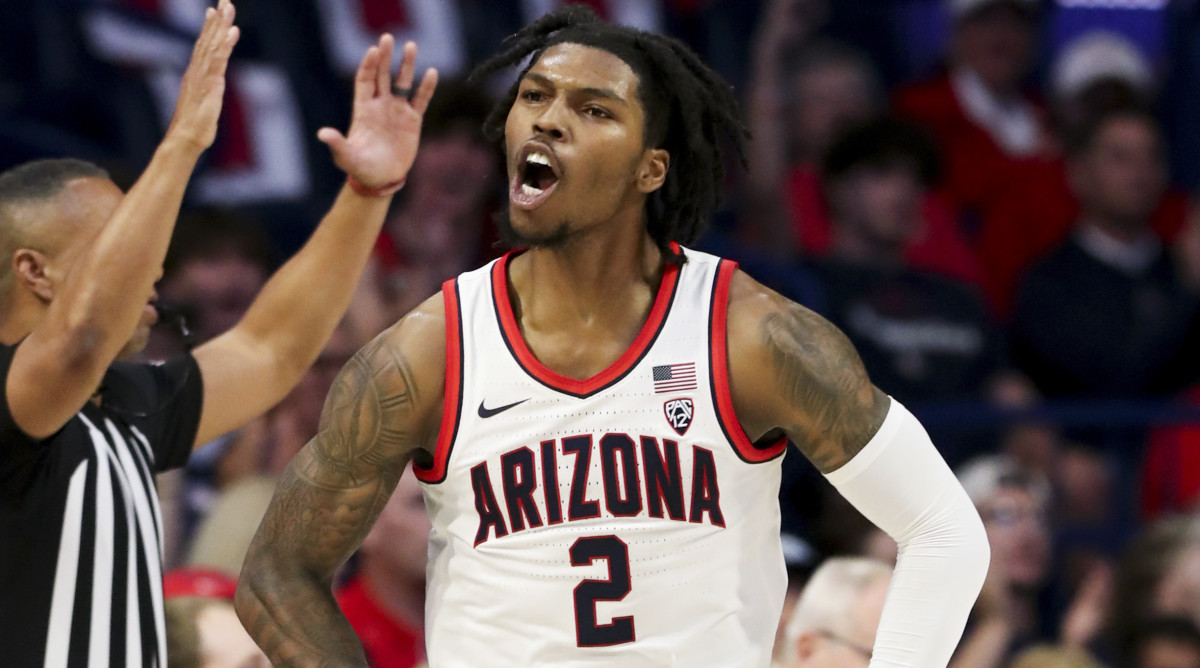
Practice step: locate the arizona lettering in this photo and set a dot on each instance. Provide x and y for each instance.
(640, 477)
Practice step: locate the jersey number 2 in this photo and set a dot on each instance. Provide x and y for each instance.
(584, 552)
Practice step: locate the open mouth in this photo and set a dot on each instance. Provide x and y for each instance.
(538, 173)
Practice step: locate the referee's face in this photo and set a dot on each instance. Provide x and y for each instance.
(82, 210)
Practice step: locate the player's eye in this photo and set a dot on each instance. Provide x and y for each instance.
(532, 95)
(598, 112)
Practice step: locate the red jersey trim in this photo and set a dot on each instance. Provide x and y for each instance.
(452, 398)
(719, 375)
(511, 333)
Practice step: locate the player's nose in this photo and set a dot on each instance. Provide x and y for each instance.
(550, 122)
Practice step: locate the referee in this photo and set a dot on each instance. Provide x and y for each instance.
(81, 434)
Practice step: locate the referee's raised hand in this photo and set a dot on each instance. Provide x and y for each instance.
(203, 86)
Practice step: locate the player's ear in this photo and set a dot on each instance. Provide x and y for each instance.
(29, 271)
(653, 170)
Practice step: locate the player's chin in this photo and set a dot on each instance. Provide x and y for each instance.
(534, 229)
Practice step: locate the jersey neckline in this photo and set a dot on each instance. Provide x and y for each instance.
(510, 331)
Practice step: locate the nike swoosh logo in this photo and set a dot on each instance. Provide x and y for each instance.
(489, 412)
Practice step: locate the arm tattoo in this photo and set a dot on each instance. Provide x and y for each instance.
(324, 505)
(818, 372)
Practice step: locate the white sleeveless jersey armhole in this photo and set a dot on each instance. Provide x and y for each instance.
(617, 521)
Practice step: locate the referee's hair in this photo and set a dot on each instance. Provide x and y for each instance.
(689, 110)
(39, 180)
(29, 183)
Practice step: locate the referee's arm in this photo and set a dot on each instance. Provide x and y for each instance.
(254, 365)
(97, 301)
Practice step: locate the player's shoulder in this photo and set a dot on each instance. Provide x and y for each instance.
(759, 316)
(414, 347)
(750, 302)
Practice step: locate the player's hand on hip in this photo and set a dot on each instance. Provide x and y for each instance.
(203, 87)
(385, 128)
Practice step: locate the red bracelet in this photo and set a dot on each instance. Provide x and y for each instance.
(382, 191)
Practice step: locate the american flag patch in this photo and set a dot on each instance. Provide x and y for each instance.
(674, 377)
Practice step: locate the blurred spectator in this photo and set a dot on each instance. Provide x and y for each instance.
(986, 126)
(1158, 576)
(1105, 313)
(442, 218)
(1097, 72)
(800, 560)
(834, 622)
(1014, 506)
(385, 600)
(921, 336)
(217, 263)
(203, 630)
(1166, 642)
(805, 93)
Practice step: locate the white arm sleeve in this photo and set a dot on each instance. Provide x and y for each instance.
(900, 482)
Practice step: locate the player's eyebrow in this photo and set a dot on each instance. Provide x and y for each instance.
(606, 93)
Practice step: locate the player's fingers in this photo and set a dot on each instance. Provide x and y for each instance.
(331, 138)
(383, 73)
(364, 79)
(408, 65)
(420, 100)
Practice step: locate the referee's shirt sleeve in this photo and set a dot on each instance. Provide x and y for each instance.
(163, 401)
(19, 452)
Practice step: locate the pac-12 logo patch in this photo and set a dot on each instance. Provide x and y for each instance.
(679, 414)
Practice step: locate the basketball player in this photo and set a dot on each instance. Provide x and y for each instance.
(598, 420)
(82, 436)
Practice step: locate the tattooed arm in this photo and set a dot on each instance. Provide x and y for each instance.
(791, 369)
(818, 393)
(382, 411)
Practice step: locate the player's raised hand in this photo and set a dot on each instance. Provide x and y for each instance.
(203, 86)
(385, 127)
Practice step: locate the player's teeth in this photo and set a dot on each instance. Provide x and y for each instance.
(538, 159)
(530, 190)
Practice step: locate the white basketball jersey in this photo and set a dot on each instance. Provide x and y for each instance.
(623, 520)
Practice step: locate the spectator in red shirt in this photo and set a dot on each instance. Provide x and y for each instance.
(984, 122)
(1097, 71)
(805, 93)
(385, 600)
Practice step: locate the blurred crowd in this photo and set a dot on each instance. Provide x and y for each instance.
(994, 199)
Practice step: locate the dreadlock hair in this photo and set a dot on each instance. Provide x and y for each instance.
(690, 112)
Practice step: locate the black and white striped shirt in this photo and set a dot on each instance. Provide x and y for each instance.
(80, 527)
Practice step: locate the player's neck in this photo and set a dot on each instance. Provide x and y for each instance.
(594, 277)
